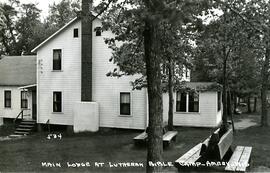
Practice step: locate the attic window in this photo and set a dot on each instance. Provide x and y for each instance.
(98, 31)
(76, 33)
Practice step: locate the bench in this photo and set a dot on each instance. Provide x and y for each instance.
(214, 148)
(141, 138)
(168, 137)
(240, 159)
(189, 158)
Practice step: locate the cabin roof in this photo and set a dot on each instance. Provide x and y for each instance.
(201, 86)
(17, 70)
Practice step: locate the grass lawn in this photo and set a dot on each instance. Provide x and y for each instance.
(114, 146)
(110, 146)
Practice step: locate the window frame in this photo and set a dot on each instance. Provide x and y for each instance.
(121, 113)
(178, 102)
(24, 101)
(192, 103)
(76, 33)
(187, 102)
(53, 60)
(7, 99)
(57, 102)
(98, 31)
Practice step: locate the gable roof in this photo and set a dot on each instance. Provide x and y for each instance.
(95, 15)
(56, 33)
(17, 70)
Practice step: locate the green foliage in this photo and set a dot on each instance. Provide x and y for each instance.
(22, 29)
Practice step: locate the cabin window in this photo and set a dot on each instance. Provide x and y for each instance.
(7, 96)
(57, 56)
(98, 31)
(219, 101)
(187, 102)
(181, 101)
(76, 33)
(193, 102)
(24, 101)
(124, 103)
(57, 102)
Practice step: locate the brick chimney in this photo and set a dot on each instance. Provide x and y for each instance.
(86, 51)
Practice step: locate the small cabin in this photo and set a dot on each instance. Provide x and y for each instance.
(17, 87)
(197, 104)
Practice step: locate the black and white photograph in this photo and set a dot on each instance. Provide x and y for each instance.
(134, 86)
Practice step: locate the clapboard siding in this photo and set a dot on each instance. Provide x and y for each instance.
(106, 90)
(15, 102)
(68, 81)
(206, 117)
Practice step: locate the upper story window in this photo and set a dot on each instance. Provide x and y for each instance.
(57, 101)
(125, 103)
(98, 31)
(7, 95)
(57, 59)
(187, 102)
(24, 101)
(76, 33)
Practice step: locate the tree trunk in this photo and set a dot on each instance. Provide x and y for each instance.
(265, 68)
(230, 109)
(170, 85)
(153, 73)
(248, 104)
(255, 105)
(224, 97)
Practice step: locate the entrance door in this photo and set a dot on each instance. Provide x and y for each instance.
(34, 105)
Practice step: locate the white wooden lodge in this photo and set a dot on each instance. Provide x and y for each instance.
(114, 103)
(73, 89)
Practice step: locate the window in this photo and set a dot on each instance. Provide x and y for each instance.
(193, 102)
(57, 102)
(24, 101)
(98, 31)
(187, 73)
(181, 102)
(124, 103)
(187, 102)
(76, 33)
(219, 101)
(57, 56)
(7, 99)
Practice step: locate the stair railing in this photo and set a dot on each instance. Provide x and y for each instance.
(48, 123)
(17, 117)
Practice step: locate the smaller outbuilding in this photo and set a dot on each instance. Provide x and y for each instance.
(17, 87)
(197, 104)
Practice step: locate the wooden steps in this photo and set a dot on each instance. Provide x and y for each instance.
(24, 128)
